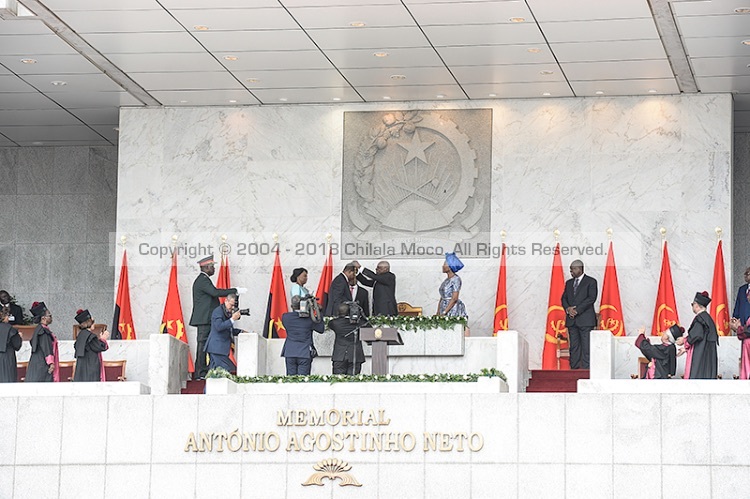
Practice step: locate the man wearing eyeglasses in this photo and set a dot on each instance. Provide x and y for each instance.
(742, 302)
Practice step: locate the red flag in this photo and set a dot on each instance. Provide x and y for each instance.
(122, 322)
(501, 299)
(665, 310)
(172, 321)
(325, 282)
(610, 310)
(222, 282)
(277, 304)
(719, 302)
(555, 330)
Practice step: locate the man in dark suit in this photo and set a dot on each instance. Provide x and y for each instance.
(578, 301)
(299, 340)
(219, 343)
(742, 302)
(205, 300)
(339, 292)
(348, 355)
(360, 296)
(383, 284)
(15, 312)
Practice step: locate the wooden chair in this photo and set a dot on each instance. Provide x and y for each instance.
(114, 370)
(96, 329)
(26, 331)
(407, 310)
(21, 370)
(642, 367)
(67, 370)
(562, 353)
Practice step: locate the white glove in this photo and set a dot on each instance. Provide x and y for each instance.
(241, 291)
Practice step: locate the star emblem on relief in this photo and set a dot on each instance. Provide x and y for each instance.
(415, 149)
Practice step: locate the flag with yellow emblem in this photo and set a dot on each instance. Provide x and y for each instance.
(277, 304)
(665, 310)
(719, 301)
(122, 322)
(610, 310)
(556, 333)
(501, 298)
(172, 321)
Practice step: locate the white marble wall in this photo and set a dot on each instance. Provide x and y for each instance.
(580, 165)
(536, 445)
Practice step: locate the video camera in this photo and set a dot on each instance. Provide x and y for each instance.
(309, 307)
(242, 311)
(355, 312)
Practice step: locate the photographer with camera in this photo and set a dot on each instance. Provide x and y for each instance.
(299, 349)
(348, 355)
(219, 344)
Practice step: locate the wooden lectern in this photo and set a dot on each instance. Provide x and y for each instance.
(380, 338)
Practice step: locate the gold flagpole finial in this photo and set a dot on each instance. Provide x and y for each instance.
(663, 232)
(224, 238)
(329, 237)
(718, 232)
(556, 233)
(174, 241)
(609, 233)
(502, 235)
(123, 240)
(275, 238)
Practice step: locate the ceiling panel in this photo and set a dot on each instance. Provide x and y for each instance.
(340, 17)
(328, 3)
(87, 100)
(30, 100)
(5, 142)
(710, 26)
(49, 64)
(307, 95)
(123, 21)
(414, 76)
(363, 38)
(609, 51)
(484, 34)
(12, 83)
(495, 54)
(582, 10)
(518, 90)
(617, 70)
(45, 133)
(74, 83)
(217, 4)
(294, 78)
(143, 43)
(724, 84)
(90, 5)
(109, 132)
(592, 31)
(23, 27)
(625, 87)
(34, 45)
(713, 7)
(205, 97)
(716, 47)
(285, 59)
(415, 92)
(153, 63)
(101, 116)
(721, 66)
(469, 12)
(227, 41)
(396, 58)
(507, 73)
(236, 19)
(186, 81)
(39, 117)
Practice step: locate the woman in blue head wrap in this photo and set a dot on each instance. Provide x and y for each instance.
(449, 303)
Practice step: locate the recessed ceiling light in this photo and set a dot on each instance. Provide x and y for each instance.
(398, 77)
(546, 94)
(37, 143)
(546, 72)
(59, 83)
(253, 80)
(742, 10)
(337, 98)
(357, 24)
(599, 92)
(534, 50)
(652, 90)
(230, 57)
(517, 19)
(200, 27)
(283, 99)
(232, 101)
(746, 42)
(440, 96)
(116, 129)
(380, 54)
(492, 95)
(28, 61)
(386, 97)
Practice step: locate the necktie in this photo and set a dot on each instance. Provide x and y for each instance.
(575, 286)
(747, 293)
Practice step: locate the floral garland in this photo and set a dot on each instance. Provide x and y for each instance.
(409, 323)
(360, 378)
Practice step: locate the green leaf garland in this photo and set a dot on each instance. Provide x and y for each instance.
(360, 378)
